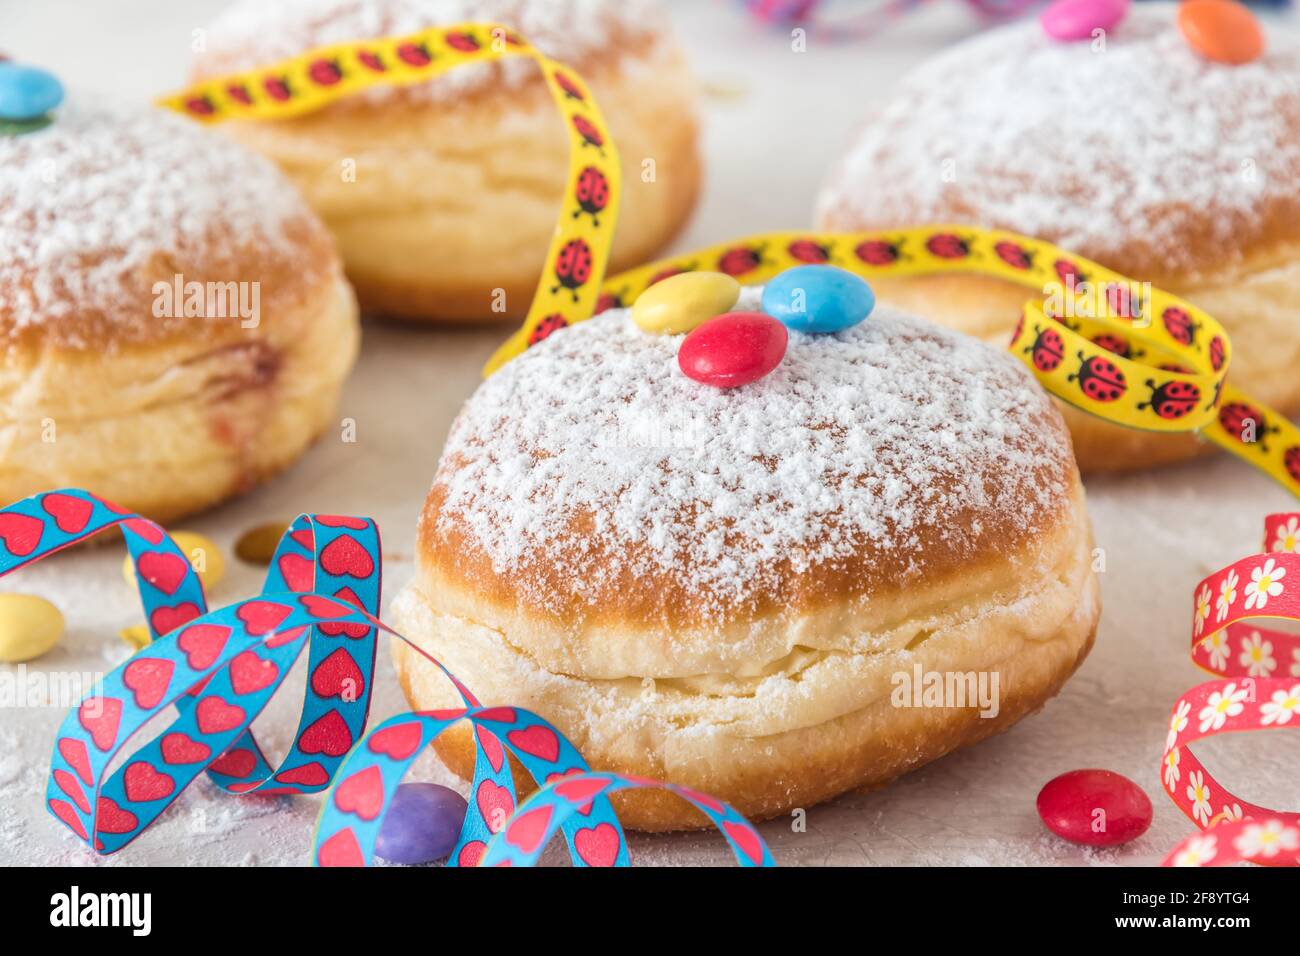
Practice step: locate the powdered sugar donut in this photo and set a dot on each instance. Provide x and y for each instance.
(459, 181)
(730, 589)
(174, 318)
(1164, 166)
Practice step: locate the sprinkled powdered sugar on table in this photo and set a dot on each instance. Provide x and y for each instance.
(253, 33)
(858, 440)
(1143, 142)
(92, 201)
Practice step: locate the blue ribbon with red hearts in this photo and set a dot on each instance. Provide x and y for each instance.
(218, 669)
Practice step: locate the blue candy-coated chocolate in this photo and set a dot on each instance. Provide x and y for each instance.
(818, 299)
(26, 92)
(421, 825)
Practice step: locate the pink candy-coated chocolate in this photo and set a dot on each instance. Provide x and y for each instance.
(1094, 807)
(735, 348)
(1069, 20)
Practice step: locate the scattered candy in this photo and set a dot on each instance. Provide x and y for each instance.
(27, 93)
(733, 349)
(818, 299)
(682, 302)
(1221, 30)
(137, 635)
(205, 557)
(1068, 20)
(257, 545)
(421, 825)
(29, 626)
(1094, 807)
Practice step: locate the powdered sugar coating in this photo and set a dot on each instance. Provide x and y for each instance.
(253, 33)
(860, 442)
(98, 205)
(1144, 156)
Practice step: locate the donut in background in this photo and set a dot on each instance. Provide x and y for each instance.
(169, 341)
(1145, 157)
(458, 181)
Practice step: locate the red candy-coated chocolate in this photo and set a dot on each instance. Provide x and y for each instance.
(1094, 807)
(735, 348)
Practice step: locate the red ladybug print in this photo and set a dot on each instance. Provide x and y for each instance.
(1292, 461)
(742, 259)
(239, 93)
(465, 42)
(1172, 399)
(607, 301)
(371, 61)
(414, 54)
(572, 266)
(947, 246)
(1013, 255)
(200, 106)
(809, 250)
(552, 323)
(1217, 353)
(1048, 349)
(1179, 324)
(1068, 272)
(1114, 343)
(1246, 424)
(571, 91)
(277, 87)
(325, 72)
(592, 193)
(591, 136)
(1121, 301)
(1175, 367)
(1100, 379)
(879, 252)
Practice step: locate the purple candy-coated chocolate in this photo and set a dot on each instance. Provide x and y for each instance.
(1070, 20)
(421, 824)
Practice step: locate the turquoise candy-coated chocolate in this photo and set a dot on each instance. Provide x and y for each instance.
(421, 825)
(27, 93)
(818, 299)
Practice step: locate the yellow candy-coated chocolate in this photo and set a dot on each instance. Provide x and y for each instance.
(137, 635)
(681, 302)
(29, 626)
(204, 557)
(257, 545)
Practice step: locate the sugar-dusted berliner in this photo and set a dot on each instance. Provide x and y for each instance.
(458, 182)
(174, 318)
(747, 591)
(1144, 157)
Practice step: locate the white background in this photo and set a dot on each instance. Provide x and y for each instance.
(774, 120)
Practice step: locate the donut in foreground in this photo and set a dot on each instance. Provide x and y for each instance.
(732, 589)
(1145, 157)
(174, 318)
(455, 184)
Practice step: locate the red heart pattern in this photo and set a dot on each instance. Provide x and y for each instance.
(318, 606)
(69, 513)
(100, 716)
(341, 849)
(148, 678)
(145, 529)
(495, 803)
(163, 570)
(20, 533)
(65, 812)
(113, 819)
(143, 783)
(69, 785)
(75, 753)
(298, 572)
(235, 763)
(338, 676)
(215, 715)
(491, 747)
(343, 521)
(580, 792)
(328, 735)
(362, 794)
(164, 620)
(308, 775)
(745, 838)
(598, 845)
(345, 556)
(250, 673)
(262, 617)
(528, 829)
(203, 644)
(398, 741)
(178, 748)
(471, 853)
(536, 740)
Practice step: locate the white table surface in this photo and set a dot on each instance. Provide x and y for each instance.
(773, 121)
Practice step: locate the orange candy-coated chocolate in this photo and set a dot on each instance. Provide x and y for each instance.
(1221, 30)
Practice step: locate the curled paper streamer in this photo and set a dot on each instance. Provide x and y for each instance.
(579, 250)
(1151, 362)
(218, 669)
(1225, 643)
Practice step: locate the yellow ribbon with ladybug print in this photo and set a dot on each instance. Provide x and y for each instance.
(1123, 351)
(579, 250)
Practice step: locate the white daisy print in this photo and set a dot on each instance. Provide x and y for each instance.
(1267, 839)
(1288, 537)
(1284, 705)
(1227, 596)
(1202, 610)
(1228, 814)
(1257, 655)
(1199, 851)
(1295, 662)
(1265, 582)
(1177, 721)
(1216, 646)
(1199, 794)
(1222, 705)
(1171, 769)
